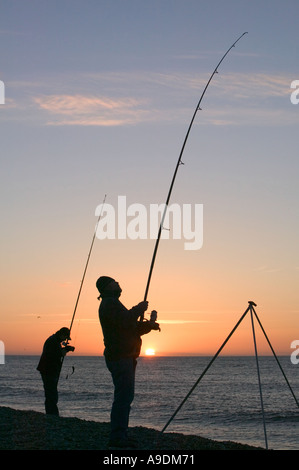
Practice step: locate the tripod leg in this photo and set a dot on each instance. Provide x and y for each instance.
(206, 369)
(258, 373)
(279, 365)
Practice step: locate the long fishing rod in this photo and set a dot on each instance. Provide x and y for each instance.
(84, 273)
(179, 162)
(86, 265)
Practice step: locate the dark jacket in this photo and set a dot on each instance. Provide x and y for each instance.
(121, 329)
(51, 359)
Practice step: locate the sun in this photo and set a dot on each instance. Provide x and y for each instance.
(150, 352)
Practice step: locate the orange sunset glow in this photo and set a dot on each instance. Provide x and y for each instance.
(195, 316)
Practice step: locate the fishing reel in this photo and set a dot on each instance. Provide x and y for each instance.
(154, 315)
(152, 320)
(67, 348)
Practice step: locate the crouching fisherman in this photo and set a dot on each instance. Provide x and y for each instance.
(50, 364)
(122, 332)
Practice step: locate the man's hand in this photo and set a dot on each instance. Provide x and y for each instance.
(143, 305)
(154, 325)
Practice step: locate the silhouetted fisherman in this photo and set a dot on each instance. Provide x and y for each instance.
(50, 364)
(121, 331)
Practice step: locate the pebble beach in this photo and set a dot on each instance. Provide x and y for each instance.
(31, 430)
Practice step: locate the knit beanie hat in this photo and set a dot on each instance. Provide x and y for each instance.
(103, 282)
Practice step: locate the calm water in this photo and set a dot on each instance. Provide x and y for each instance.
(224, 406)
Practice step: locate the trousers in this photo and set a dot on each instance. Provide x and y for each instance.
(50, 383)
(123, 377)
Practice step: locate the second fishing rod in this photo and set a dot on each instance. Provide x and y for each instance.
(67, 347)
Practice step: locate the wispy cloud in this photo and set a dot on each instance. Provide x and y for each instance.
(267, 269)
(130, 98)
(91, 110)
(181, 322)
(256, 85)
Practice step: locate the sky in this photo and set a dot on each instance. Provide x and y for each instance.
(98, 99)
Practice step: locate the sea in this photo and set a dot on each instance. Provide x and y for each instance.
(225, 405)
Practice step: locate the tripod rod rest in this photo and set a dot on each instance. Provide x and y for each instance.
(252, 303)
